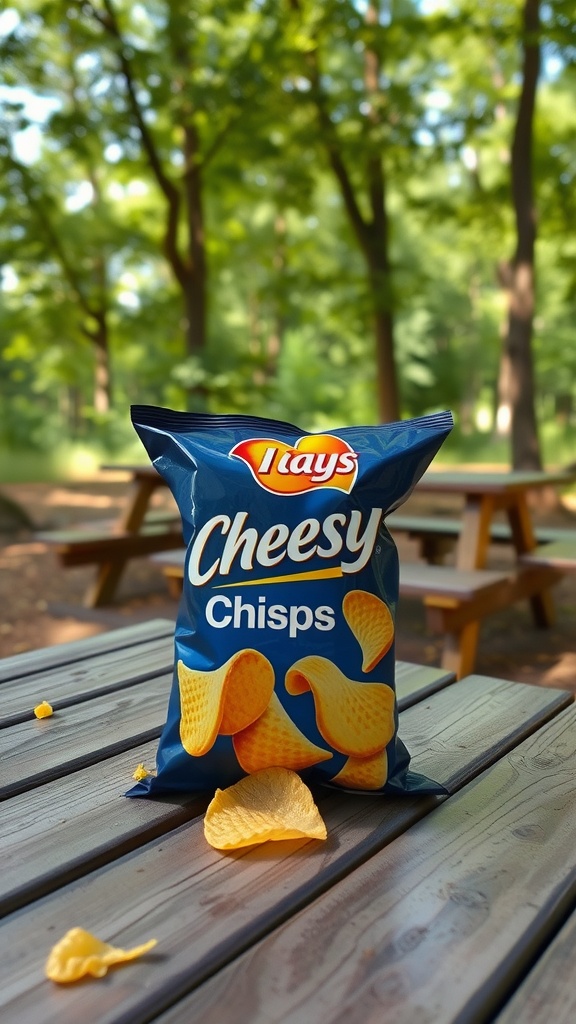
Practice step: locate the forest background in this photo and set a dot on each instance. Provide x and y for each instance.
(340, 212)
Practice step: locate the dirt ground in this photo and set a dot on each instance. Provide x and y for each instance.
(41, 603)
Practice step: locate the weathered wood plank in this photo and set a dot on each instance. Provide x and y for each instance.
(112, 670)
(75, 683)
(57, 831)
(548, 994)
(75, 651)
(436, 927)
(36, 751)
(205, 907)
(72, 825)
(416, 682)
(461, 717)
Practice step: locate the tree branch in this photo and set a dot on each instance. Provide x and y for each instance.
(109, 22)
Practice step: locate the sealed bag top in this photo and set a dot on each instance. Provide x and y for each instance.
(284, 643)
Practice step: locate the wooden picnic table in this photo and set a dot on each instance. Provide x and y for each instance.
(485, 494)
(138, 531)
(458, 908)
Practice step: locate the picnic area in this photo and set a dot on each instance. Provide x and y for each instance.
(287, 512)
(43, 603)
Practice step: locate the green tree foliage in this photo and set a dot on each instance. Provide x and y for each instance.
(292, 208)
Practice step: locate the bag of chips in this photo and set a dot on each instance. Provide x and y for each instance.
(284, 641)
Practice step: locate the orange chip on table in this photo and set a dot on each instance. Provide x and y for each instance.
(371, 621)
(364, 772)
(271, 804)
(225, 700)
(274, 740)
(80, 953)
(43, 710)
(355, 718)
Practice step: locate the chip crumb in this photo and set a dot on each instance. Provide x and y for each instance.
(43, 710)
(141, 772)
(80, 953)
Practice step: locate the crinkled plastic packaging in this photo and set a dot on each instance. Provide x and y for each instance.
(284, 641)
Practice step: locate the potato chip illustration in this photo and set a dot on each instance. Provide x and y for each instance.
(225, 700)
(43, 710)
(370, 619)
(274, 740)
(272, 804)
(80, 953)
(364, 772)
(355, 718)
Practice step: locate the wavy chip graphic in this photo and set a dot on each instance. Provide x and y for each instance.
(371, 622)
(271, 804)
(355, 718)
(273, 739)
(225, 700)
(364, 772)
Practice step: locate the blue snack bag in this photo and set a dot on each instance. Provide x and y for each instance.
(284, 641)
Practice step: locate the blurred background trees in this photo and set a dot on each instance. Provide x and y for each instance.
(329, 213)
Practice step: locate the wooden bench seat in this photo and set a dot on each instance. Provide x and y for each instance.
(438, 534)
(99, 541)
(456, 601)
(109, 547)
(561, 554)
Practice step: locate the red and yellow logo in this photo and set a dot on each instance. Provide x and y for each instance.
(318, 460)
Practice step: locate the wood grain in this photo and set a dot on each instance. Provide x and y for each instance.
(62, 829)
(436, 927)
(71, 684)
(416, 682)
(72, 825)
(36, 751)
(548, 995)
(77, 651)
(205, 907)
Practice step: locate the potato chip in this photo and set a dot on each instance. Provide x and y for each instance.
(274, 740)
(141, 772)
(364, 772)
(43, 710)
(271, 804)
(223, 701)
(370, 619)
(355, 718)
(80, 953)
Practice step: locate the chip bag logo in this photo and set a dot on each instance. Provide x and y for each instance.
(318, 460)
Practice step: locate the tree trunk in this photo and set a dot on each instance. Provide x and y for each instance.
(518, 276)
(102, 374)
(387, 392)
(195, 281)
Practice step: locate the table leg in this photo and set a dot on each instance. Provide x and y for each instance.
(523, 538)
(459, 650)
(137, 504)
(474, 540)
(103, 589)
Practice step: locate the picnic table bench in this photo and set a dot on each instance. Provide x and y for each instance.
(437, 535)
(434, 908)
(110, 543)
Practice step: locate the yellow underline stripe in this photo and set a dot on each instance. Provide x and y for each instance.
(313, 574)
